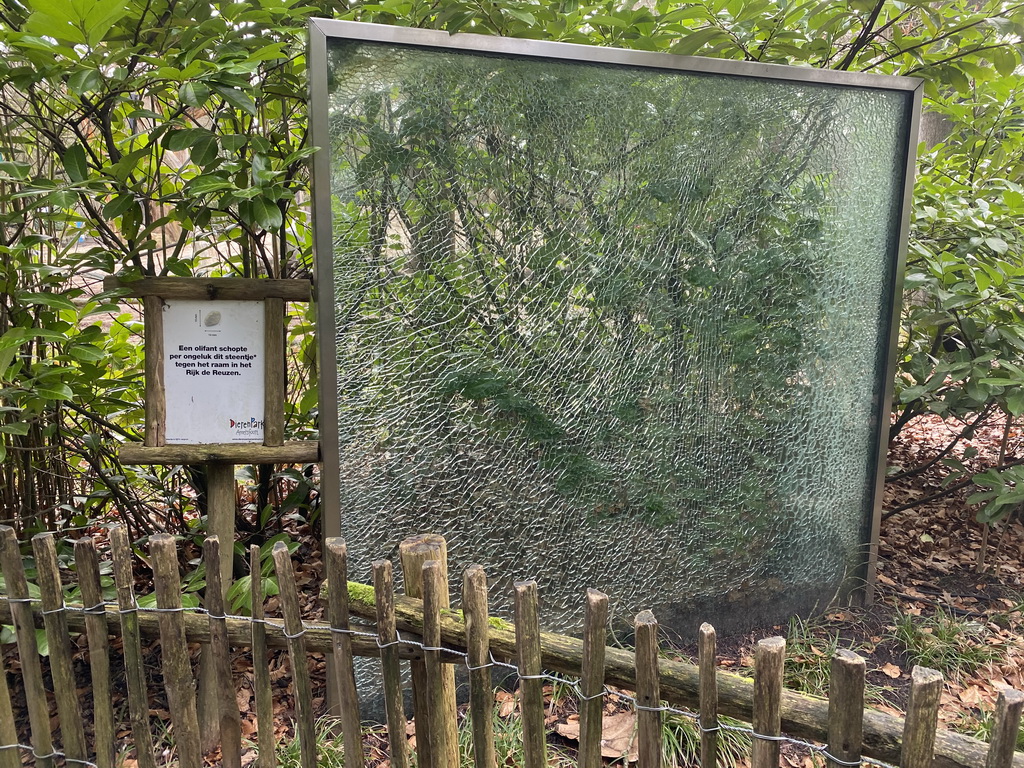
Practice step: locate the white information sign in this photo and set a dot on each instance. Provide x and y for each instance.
(213, 371)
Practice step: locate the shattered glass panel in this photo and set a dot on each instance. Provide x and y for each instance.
(612, 327)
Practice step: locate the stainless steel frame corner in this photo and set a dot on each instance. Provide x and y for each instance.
(320, 30)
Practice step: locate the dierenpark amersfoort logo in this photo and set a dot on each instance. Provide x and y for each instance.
(246, 427)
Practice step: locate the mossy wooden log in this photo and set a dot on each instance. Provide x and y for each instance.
(197, 629)
(198, 288)
(296, 452)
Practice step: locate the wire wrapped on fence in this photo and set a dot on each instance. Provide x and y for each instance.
(571, 684)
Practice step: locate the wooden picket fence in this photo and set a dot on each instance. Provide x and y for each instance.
(419, 629)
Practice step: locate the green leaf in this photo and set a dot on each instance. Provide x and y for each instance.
(1005, 61)
(117, 206)
(204, 150)
(176, 141)
(75, 163)
(55, 300)
(261, 212)
(85, 81)
(237, 98)
(194, 94)
(1015, 402)
(54, 392)
(997, 244)
(694, 41)
(15, 428)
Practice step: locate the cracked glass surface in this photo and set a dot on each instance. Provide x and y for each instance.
(612, 327)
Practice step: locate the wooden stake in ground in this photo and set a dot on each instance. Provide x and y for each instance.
(414, 552)
(220, 658)
(922, 718)
(341, 642)
(592, 678)
(131, 644)
(178, 676)
(531, 684)
(846, 707)
(769, 657)
(221, 506)
(706, 651)
(28, 650)
(648, 693)
(55, 619)
(262, 692)
(435, 593)
(87, 565)
(481, 692)
(387, 638)
(295, 631)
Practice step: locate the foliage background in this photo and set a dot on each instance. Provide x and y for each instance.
(168, 137)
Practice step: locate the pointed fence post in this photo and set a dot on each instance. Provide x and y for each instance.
(481, 691)
(178, 676)
(28, 649)
(648, 691)
(295, 631)
(595, 620)
(341, 644)
(922, 718)
(707, 649)
(846, 707)
(769, 658)
(531, 686)
(87, 565)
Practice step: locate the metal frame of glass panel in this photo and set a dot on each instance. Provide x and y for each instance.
(321, 30)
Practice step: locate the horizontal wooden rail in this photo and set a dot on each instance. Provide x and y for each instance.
(296, 452)
(234, 288)
(197, 630)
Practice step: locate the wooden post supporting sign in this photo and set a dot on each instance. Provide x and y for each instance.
(215, 389)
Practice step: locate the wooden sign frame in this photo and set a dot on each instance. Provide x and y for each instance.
(273, 293)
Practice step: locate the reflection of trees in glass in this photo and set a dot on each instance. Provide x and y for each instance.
(603, 281)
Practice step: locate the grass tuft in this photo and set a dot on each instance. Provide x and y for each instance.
(953, 646)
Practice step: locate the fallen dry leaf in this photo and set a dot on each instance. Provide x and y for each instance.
(891, 670)
(618, 735)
